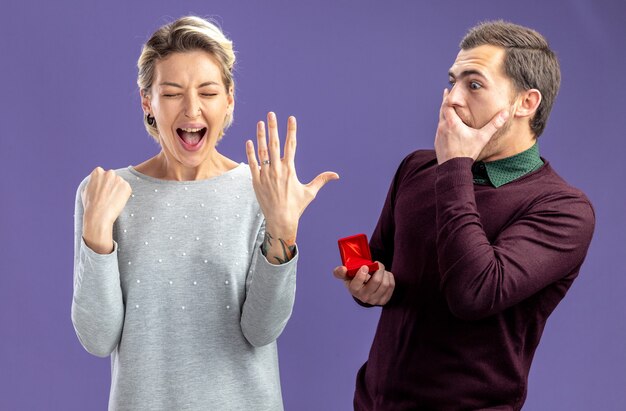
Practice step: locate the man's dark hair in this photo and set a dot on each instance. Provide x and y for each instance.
(528, 61)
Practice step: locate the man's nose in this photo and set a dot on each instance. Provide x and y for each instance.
(455, 96)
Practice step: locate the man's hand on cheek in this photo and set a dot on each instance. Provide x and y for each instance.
(455, 139)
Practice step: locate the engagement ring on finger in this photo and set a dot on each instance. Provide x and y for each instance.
(266, 162)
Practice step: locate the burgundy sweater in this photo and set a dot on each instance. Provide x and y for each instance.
(478, 270)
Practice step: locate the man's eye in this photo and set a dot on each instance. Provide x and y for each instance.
(474, 85)
(170, 95)
(208, 94)
(451, 82)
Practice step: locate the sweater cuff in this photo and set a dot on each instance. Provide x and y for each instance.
(453, 173)
(97, 256)
(264, 261)
(96, 268)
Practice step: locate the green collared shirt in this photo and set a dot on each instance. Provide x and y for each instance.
(500, 172)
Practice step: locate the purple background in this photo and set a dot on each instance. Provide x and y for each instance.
(364, 79)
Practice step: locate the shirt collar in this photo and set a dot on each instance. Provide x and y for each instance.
(500, 172)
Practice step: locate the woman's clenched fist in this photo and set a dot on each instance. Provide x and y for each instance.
(104, 198)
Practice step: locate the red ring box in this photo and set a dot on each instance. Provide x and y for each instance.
(355, 253)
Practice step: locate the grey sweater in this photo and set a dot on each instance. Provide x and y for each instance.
(186, 305)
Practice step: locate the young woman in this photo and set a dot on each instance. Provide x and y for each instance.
(185, 265)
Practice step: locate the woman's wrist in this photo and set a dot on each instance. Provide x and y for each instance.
(279, 243)
(98, 236)
(285, 230)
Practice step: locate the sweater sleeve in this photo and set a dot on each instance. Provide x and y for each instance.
(545, 244)
(270, 295)
(97, 304)
(382, 239)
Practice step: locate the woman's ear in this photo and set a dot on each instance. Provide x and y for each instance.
(145, 102)
(231, 101)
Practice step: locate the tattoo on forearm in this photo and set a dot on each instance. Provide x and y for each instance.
(267, 243)
(287, 250)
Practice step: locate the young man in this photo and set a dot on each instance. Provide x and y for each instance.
(478, 241)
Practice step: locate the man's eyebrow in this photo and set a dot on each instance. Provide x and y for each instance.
(466, 73)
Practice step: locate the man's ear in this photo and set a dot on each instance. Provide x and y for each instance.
(528, 103)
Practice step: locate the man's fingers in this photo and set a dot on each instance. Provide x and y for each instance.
(443, 103)
(495, 124)
(341, 273)
(452, 119)
(374, 284)
(370, 288)
(377, 296)
(381, 266)
(382, 295)
(359, 281)
(391, 285)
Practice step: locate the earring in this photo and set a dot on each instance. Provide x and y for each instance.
(150, 120)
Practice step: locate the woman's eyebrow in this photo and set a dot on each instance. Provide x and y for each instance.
(209, 83)
(169, 83)
(205, 84)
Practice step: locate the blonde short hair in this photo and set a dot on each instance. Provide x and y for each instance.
(185, 34)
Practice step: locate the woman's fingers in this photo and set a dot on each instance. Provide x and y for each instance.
(281, 195)
(269, 148)
(320, 181)
(254, 165)
(274, 141)
(264, 158)
(290, 141)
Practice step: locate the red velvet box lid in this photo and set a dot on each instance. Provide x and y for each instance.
(355, 253)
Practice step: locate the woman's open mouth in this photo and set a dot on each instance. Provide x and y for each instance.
(191, 138)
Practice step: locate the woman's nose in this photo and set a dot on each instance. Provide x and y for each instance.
(192, 108)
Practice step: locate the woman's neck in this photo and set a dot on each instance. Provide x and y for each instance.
(164, 168)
